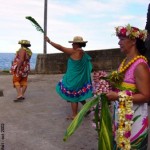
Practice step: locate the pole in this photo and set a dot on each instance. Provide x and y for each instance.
(45, 26)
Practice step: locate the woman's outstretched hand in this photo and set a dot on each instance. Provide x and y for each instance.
(47, 39)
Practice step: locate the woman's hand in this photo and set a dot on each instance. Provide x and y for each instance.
(47, 39)
(112, 96)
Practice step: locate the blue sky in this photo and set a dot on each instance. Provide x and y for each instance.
(94, 20)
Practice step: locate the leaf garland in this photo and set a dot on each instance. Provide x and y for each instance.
(35, 23)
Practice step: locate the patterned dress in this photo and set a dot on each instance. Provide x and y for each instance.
(139, 132)
(25, 68)
(76, 85)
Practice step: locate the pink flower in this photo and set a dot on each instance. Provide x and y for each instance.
(129, 93)
(129, 116)
(127, 134)
(123, 31)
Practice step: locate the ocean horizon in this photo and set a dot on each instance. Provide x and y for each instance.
(7, 58)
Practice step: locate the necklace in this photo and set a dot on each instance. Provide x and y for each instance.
(124, 67)
(125, 116)
(29, 52)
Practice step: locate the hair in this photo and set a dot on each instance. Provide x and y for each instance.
(147, 27)
(25, 45)
(143, 49)
(147, 41)
(141, 46)
(147, 45)
(82, 44)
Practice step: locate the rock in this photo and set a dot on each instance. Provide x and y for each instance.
(1, 93)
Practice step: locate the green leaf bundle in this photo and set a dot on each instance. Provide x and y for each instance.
(35, 23)
(103, 122)
(105, 132)
(79, 118)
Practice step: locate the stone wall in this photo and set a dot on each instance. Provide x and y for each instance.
(56, 63)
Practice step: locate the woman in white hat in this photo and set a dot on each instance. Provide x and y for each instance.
(75, 85)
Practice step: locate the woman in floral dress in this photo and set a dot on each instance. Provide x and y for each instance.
(20, 69)
(133, 94)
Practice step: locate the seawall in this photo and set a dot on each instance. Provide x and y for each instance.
(107, 59)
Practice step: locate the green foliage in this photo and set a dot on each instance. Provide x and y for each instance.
(5, 71)
(105, 132)
(115, 79)
(79, 118)
(35, 23)
(102, 119)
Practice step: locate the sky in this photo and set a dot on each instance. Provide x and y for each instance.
(94, 20)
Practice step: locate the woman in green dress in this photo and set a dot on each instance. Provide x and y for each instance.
(75, 86)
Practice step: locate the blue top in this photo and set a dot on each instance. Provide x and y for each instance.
(76, 85)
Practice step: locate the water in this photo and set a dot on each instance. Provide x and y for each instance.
(7, 58)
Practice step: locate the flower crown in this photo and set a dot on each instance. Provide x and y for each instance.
(131, 32)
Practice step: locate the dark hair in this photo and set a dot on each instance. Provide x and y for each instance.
(26, 45)
(143, 50)
(147, 45)
(147, 41)
(82, 44)
(140, 46)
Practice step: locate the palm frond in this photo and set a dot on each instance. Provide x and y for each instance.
(35, 23)
(79, 118)
(105, 132)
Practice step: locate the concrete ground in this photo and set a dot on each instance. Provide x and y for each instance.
(38, 123)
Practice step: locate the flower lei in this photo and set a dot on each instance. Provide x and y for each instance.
(125, 115)
(125, 112)
(125, 104)
(124, 68)
(131, 32)
(29, 52)
(99, 84)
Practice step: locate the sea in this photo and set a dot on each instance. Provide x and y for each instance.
(7, 58)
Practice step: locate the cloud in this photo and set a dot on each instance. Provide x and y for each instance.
(93, 19)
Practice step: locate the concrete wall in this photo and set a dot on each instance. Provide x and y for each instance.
(56, 63)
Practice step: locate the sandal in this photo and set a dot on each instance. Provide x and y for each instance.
(23, 97)
(19, 99)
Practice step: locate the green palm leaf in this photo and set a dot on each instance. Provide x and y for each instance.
(79, 118)
(97, 118)
(105, 133)
(140, 141)
(35, 23)
(103, 123)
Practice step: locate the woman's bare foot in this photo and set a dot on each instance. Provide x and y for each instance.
(70, 117)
